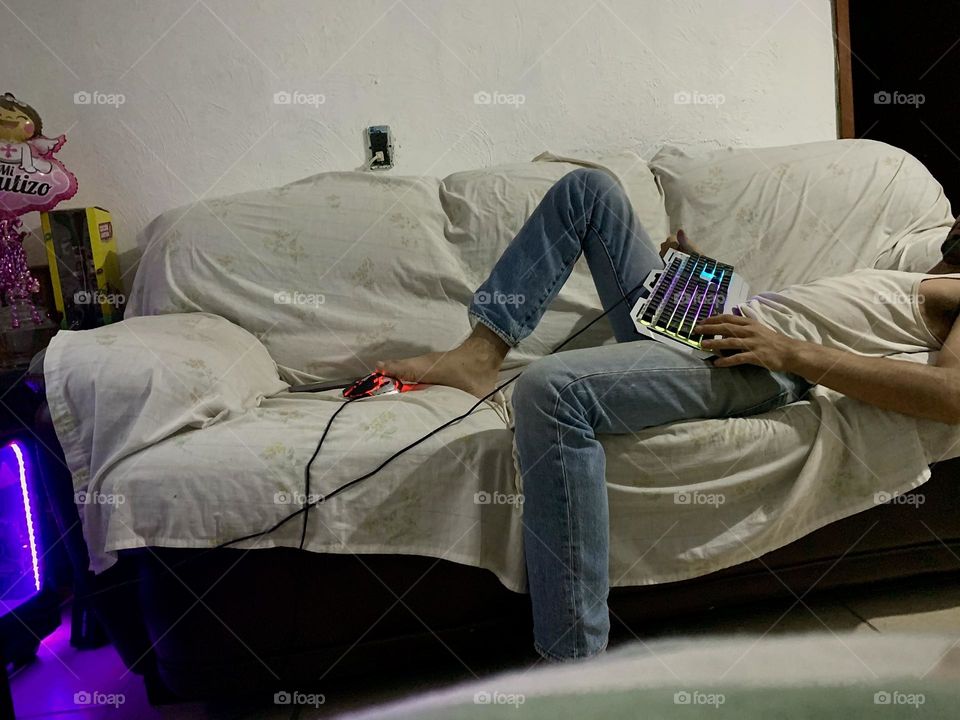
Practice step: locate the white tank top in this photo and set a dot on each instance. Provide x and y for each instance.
(870, 312)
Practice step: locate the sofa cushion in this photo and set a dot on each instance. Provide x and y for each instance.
(792, 214)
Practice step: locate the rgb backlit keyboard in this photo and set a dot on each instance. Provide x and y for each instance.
(690, 288)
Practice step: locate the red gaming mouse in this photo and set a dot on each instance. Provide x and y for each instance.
(375, 384)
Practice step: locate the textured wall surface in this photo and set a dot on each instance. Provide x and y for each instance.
(198, 80)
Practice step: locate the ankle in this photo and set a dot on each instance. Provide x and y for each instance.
(486, 345)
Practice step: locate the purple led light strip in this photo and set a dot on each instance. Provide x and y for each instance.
(27, 512)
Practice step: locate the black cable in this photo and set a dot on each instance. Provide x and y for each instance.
(306, 470)
(305, 508)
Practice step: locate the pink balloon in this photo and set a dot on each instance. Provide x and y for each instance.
(31, 178)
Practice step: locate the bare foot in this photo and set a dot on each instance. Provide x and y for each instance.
(471, 366)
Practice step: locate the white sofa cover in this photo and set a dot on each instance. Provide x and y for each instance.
(337, 270)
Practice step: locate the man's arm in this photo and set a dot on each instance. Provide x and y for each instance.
(924, 391)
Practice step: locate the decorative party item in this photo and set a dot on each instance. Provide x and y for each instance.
(31, 178)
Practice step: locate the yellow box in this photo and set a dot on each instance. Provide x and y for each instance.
(84, 270)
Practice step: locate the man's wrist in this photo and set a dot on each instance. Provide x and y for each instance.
(801, 358)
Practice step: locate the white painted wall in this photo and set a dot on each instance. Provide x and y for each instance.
(199, 78)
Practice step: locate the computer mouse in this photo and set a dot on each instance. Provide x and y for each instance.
(375, 384)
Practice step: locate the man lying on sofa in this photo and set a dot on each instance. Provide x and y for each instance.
(834, 332)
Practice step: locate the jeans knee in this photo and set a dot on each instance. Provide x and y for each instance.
(593, 180)
(537, 387)
(546, 389)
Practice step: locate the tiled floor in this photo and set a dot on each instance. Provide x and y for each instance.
(54, 685)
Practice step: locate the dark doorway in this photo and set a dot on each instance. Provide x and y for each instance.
(898, 79)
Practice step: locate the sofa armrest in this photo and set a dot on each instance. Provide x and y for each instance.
(120, 388)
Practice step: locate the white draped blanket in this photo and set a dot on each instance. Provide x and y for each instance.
(179, 433)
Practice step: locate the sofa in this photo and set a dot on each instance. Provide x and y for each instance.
(180, 435)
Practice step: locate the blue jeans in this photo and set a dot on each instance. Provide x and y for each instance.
(562, 402)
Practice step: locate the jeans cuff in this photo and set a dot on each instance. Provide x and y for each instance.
(490, 325)
(554, 658)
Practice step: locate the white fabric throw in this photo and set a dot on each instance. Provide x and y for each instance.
(184, 415)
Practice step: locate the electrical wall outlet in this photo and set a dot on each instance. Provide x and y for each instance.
(379, 147)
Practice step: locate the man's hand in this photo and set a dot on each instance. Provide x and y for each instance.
(915, 389)
(680, 241)
(752, 342)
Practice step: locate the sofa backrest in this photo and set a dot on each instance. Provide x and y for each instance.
(340, 269)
